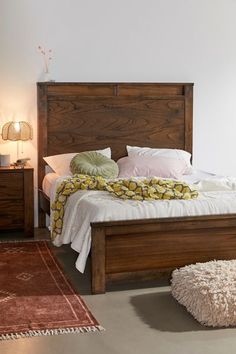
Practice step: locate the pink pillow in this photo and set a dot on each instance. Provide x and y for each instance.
(143, 166)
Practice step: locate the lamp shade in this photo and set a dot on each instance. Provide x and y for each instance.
(17, 131)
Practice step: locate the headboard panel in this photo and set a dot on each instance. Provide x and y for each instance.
(74, 117)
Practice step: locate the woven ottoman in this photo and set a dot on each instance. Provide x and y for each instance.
(208, 291)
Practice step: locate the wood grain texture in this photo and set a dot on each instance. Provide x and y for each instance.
(88, 116)
(11, 185)
(167, 249)
(11, 215)
(150, 248)
(28, 203)
(188, 94)
(144, 275)
(16, 199)
(42, 142)
(74, 117)
(111, 124)
(98, 249)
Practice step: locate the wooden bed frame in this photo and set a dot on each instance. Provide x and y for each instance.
(88, 116)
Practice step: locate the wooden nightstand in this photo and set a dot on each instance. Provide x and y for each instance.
(17, 199)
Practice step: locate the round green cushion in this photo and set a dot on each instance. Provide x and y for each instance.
(93, 163)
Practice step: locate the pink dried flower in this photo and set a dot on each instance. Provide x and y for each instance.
(47, 57)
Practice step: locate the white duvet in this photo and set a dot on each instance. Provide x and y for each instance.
(217, 196)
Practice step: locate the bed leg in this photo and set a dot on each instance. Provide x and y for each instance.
(98, 261)
(41, 218)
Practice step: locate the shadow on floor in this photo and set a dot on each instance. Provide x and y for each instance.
(67, 258)
(82, 282)
(161, 311)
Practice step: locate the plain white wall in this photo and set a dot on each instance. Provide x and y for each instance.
(126, 40)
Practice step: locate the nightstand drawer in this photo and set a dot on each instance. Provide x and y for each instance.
(11, 214)
(17, 199)
(11, 185)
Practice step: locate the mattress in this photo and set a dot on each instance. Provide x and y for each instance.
(84, 207)
(48, 182)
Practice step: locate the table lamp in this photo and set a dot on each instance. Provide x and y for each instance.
(17, 131)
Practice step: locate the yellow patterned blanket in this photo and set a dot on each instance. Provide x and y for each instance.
(139, 190)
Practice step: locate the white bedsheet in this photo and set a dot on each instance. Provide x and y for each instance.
(217, 196)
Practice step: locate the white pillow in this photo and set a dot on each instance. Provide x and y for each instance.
(61, 163)
(168, 153)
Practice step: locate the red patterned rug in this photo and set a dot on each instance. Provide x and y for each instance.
(35, 297)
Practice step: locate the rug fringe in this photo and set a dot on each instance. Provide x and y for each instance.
(51, 332)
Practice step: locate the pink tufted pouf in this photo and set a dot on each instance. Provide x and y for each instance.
(208, 291)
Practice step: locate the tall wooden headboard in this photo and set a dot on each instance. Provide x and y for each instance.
(74, 117)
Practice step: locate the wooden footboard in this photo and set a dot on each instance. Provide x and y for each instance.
(145, 249)
(142, 249)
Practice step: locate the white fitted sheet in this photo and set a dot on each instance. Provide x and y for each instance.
(84, 207)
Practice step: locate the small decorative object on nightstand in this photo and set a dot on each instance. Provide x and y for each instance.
(17, 199)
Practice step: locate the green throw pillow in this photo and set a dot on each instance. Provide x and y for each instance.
(94, 164)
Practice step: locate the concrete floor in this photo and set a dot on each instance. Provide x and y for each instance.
(143, 320)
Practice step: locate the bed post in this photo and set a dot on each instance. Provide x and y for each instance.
(188, 130)
(42, 144)
(98, 260)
